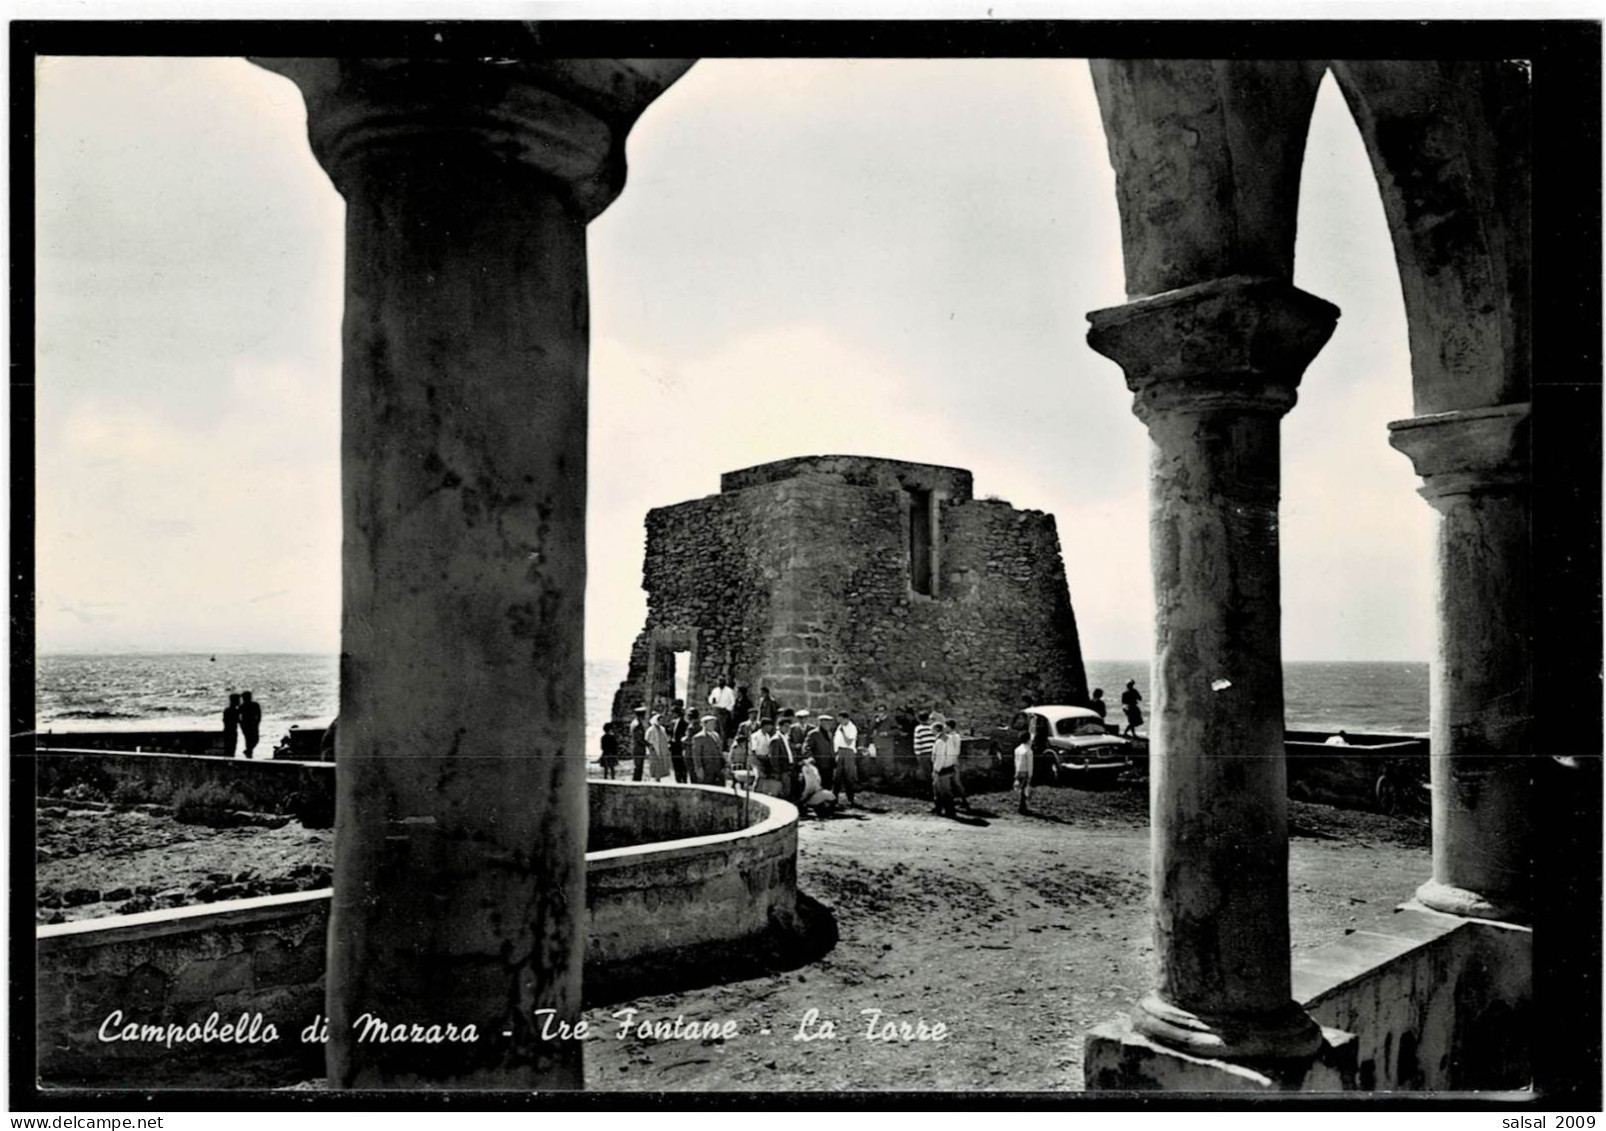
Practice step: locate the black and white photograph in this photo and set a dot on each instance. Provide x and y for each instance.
(985, 560)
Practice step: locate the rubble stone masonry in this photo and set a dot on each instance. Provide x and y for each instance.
(805, 575)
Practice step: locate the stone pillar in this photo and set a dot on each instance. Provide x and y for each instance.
(461, 807)
(1213, 368)
(1475, 473)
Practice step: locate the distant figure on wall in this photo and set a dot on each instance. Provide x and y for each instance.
(1129, 704)
(250, 721)
(1099, 704)
(231, 726)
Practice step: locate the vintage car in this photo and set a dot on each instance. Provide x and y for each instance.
(1081, 750)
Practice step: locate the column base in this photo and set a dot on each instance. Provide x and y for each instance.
(1117, 1058)
(1289, 1033)
(1467, 904)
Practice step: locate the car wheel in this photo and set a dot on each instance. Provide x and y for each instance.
(1388, 797)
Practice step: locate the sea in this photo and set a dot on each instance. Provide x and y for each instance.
(171, 691)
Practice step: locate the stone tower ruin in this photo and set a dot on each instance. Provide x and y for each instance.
(844, 582)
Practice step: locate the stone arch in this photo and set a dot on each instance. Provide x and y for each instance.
(1207, 157)
(1449, 147)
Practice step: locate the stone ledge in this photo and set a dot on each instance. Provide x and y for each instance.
(1117, 1058)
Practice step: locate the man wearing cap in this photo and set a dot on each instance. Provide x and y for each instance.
(847, 759)
(783, 758)
(819, 746)
(707, 752)
(638, 742)
(766, 779)
(944, 765)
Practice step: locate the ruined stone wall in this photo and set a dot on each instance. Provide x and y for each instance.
(822, 610)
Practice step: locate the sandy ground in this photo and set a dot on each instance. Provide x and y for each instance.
(1019, 934)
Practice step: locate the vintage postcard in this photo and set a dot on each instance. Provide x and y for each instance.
(960, 559)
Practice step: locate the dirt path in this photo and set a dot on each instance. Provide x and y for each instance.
(1017, 933)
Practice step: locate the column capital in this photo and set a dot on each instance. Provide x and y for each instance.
(564, 119)
(1239, 343)
(1470, 452)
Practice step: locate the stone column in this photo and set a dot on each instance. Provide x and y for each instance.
(461, 806)
(1213, 368)
(1475, 473)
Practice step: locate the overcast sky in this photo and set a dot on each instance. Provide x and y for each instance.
(889, 258)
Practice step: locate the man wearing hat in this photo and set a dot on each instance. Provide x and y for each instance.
(820, 746)
(638, 742)
(786, 754)
(764, 760)
(707, 752)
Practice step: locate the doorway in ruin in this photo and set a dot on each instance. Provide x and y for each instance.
(672, 665)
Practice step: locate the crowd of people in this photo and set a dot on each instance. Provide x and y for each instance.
(811, 760)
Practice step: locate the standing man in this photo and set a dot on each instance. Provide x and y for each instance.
(925, 740)
(767, 707)
(638, 742)
(708, 754)
(847, 759)
(944, 766)
(250, 721)
(784, 759)
(679, 725)
(820, 746)
(231, 726)
(1023, 773)
(764, 763)
(744, 709)
(610, 751)
(724, 700)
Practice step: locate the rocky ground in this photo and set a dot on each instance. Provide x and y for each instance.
(1017, 933)
(97, 859)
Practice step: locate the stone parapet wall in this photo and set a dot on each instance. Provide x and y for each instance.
(721, 869)
(1437, 1002)
(254, 956)
(280, 786)
(856, 471)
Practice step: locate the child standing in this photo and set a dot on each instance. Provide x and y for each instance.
(1023, 772)
(610, 751)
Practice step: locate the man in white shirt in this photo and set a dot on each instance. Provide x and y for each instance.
(944, 765)
(847, 759)
(723, 700)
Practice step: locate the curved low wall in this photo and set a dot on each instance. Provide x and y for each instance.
(732, 879)
(678, 891)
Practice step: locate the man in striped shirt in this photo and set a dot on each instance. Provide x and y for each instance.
(925, 739)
